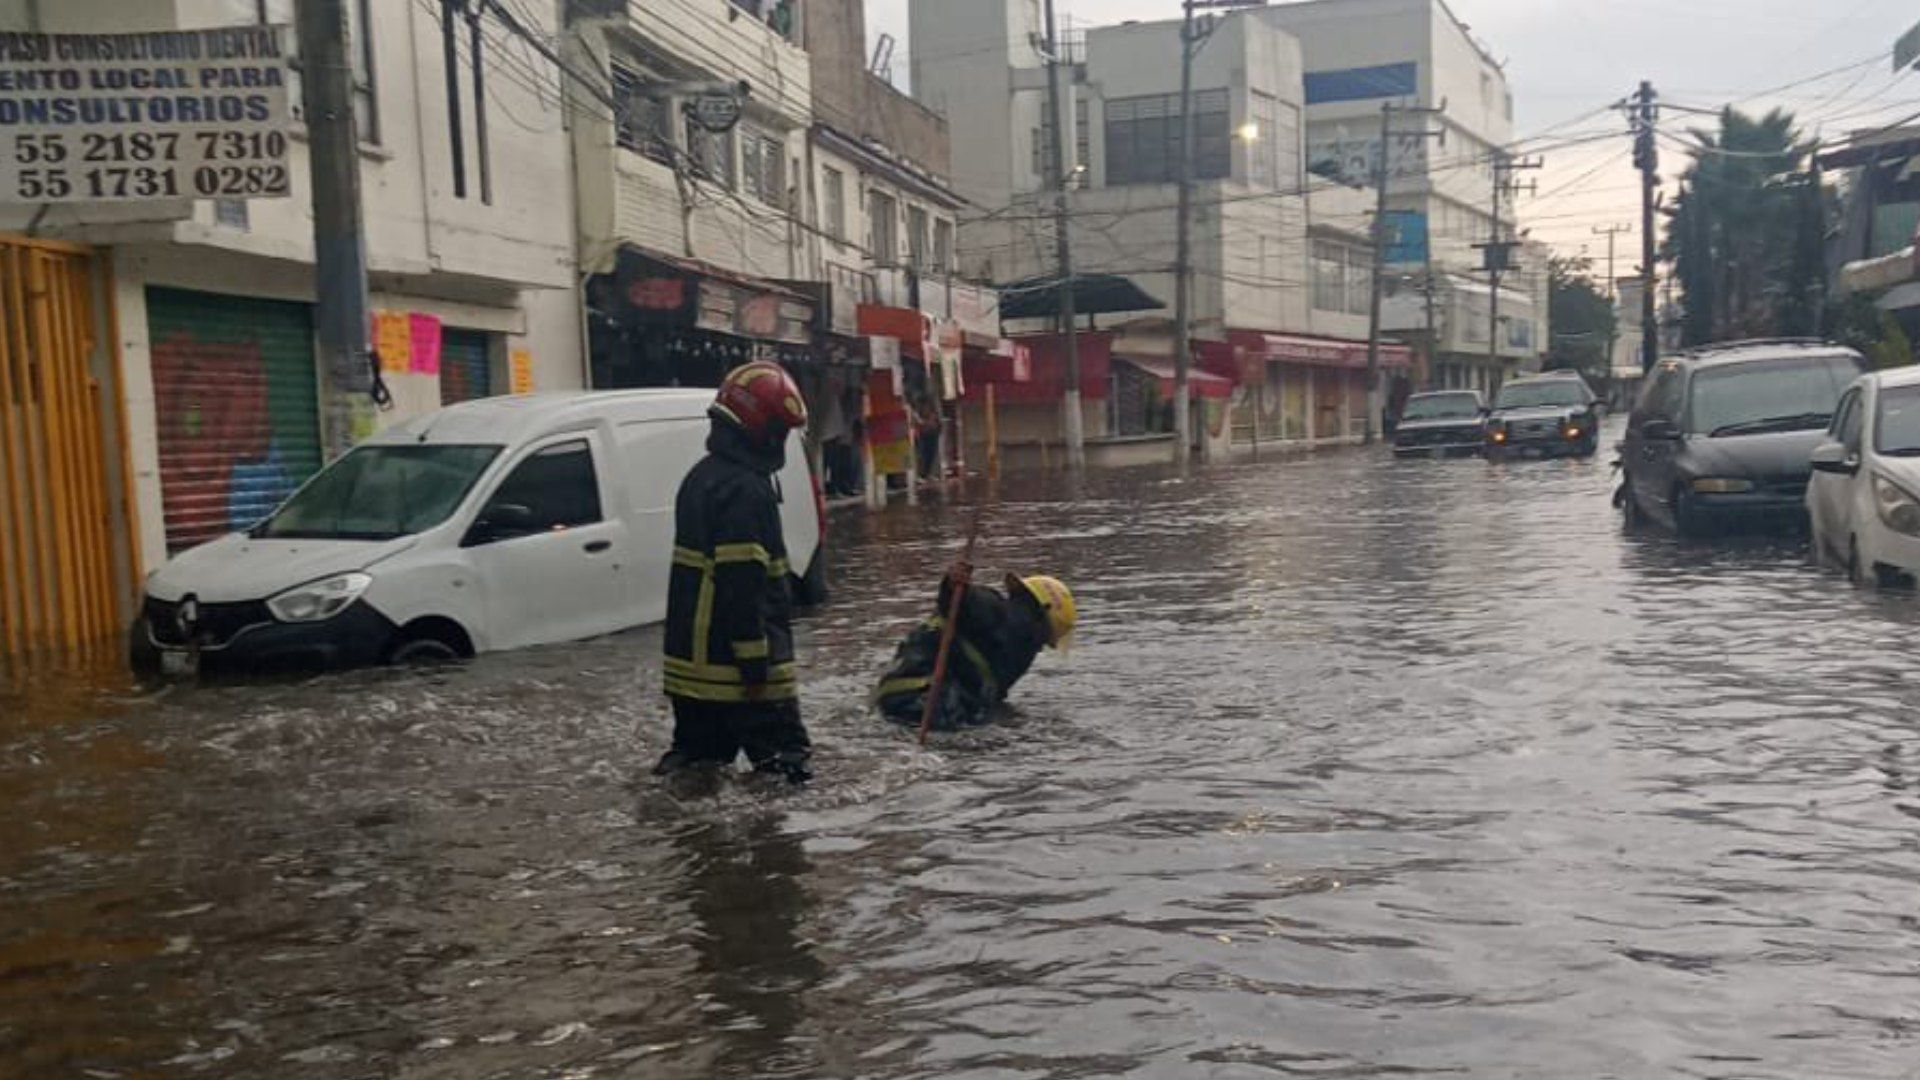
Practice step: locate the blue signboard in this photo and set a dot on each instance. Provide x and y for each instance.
(1406, 237)
(1361, 84)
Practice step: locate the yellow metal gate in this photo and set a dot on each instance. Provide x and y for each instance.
(66, 558)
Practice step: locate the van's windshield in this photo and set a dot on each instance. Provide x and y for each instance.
(380, 492)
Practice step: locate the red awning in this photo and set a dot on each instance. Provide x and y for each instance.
(1200, 383)
(1318, 351)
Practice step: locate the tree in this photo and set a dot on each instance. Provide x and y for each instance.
(1581, 315)
(1745, 234)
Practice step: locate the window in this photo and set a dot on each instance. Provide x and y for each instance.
(761, 160)
(1342, 278)
(642, 121)
(1848, 419)
(554, 489)
(712, 154)
(1143, 138)
(366, 113)
(1263, 148)
(1082, 143)
(381, 492)
(1288, 171)
(1780, 395)
(1329, 277)
(1359, 281)
(1896, 429)
(943, 246)
(917, 238)
(834, 183)
(883, 228)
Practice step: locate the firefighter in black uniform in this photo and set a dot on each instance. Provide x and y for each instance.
(997, 640)
(729, 634)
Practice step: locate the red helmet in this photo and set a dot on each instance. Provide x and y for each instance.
(762, 400)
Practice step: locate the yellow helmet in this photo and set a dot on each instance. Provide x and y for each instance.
(1055, 599)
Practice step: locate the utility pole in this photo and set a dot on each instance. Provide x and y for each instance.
(339, 229)
(1646, 158)
(1193, 37)
(1060, 176)
(1383, 172)
(1612, 232)
(1499, 254)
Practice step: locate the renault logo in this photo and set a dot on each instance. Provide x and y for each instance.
(187, 615)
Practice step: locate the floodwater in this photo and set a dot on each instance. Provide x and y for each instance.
(1358, 769)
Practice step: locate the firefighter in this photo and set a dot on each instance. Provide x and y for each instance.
(729, 634)
(996, 642)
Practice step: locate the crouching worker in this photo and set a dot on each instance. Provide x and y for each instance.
(996, 641)
(729, 633)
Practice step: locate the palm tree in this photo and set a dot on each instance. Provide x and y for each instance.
(1744, 232)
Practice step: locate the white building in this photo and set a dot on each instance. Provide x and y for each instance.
(1252, 308)
(687, 230)
(1363, 54)
(212, 299)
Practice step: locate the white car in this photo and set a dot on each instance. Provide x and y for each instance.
(1864, 499)
(493, 524)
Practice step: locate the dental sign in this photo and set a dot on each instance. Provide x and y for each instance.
(196, 114)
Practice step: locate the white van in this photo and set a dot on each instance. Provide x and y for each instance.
(493, 524)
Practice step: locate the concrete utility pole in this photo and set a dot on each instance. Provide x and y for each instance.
(1612, 232)
(1499, 254)
(1193, 36)
(1646, 157)
(1383, 173)
(339, 230)
(1060, 176)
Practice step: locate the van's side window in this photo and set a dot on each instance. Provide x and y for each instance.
(1847, 421)
(557, 486)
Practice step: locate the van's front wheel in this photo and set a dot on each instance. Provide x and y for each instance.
(429, 645)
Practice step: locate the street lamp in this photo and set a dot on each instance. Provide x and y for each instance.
(1249, 132)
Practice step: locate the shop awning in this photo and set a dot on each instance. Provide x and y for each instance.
(1200, 384)
(1093, 294)
(1317, 351)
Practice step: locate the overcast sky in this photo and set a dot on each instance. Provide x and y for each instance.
(1568, 57)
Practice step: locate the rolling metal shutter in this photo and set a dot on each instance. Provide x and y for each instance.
(466, 366)
(238, 408)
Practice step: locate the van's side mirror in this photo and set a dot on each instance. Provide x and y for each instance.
(501, 521)
(1835, 458)
(1660, 430)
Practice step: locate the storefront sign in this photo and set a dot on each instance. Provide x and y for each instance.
(423, 354)
(1022, 354)
(393, 341)
(1406, 239)
(977, 310)
(717, 113)
(520, 372)
(128, 117)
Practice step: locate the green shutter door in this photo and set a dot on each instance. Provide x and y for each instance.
(466, 366)
(237, 407)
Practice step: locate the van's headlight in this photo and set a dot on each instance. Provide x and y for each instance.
(319, 600)
(1898, 508)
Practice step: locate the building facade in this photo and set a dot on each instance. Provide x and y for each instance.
(1364, 54)
(207, 305)
(1268, 365)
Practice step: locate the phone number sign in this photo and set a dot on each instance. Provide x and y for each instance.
(194, 114)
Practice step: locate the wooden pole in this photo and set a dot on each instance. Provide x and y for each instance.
(993, 435)
(947, 633)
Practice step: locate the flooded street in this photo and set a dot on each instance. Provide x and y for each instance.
(1357, 769)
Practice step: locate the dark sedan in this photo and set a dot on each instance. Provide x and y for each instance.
(1725, 435)
(1547, 416)
(1444, 422)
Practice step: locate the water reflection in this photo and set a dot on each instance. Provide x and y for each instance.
(1360, 768)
